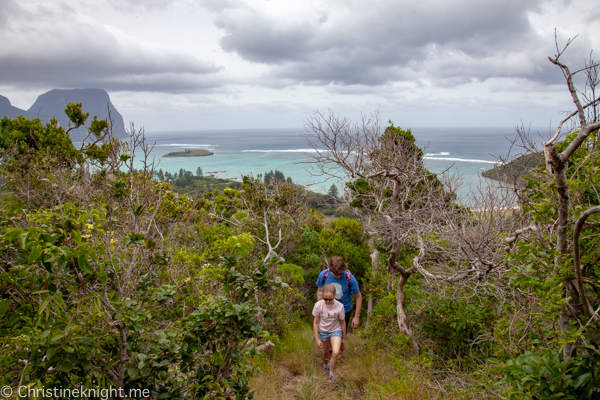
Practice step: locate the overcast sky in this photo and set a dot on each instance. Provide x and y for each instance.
(204, 64)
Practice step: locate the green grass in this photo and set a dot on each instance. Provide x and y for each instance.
(293, 370)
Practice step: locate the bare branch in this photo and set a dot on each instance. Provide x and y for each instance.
(577, 260)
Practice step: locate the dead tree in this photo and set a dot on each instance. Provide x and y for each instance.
(557, 163)
(407, 206)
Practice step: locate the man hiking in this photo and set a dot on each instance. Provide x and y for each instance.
(345, 285)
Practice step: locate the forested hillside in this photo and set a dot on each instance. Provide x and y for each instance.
(109, 278)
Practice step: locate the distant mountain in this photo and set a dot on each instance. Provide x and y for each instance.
(12, 112)
(95, 101)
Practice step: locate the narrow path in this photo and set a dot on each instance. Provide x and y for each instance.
(293, 370)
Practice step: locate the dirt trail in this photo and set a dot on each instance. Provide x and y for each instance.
(293, 370)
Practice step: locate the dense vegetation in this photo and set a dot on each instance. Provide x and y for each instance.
(110, 277)
(195, 186)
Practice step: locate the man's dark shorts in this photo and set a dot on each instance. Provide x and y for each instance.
(347, 320)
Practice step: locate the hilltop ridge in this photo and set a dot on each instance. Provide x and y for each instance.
(12, 112)
(53, 103)
(515, 170)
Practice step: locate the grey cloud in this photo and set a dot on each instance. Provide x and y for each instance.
(361, 90)
(83, 53)
(140, 5)
(374, 43)
(593, 15)
(6, 8)
(221, 5)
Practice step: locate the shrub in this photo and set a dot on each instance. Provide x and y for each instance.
(548, 376)
(453, 327)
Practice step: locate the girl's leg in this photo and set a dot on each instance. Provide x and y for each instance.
(326, 346)
(336, 343)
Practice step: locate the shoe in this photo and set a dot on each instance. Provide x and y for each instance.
(332, 379)
(326, 367)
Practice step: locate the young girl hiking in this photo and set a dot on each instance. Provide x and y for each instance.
(329, 327)
(346, 286)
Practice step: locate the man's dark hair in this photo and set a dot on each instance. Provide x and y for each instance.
(337, 265)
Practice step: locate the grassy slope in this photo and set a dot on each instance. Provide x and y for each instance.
(293, 370)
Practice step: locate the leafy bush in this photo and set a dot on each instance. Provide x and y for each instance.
(548, 376)
(345, 238)
(453, 327)
(383, 328)
(290, 273)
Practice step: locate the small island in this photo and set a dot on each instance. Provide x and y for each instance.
(190, 153)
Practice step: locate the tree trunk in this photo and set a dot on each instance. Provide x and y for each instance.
(562, 187)
(569, 312)
(375, 260)
(369, 312)
(402, 320)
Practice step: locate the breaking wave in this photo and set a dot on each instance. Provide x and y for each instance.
(281, 151)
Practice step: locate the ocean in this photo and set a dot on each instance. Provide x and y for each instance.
(466, 151)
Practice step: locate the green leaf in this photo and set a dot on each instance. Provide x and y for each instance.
(12, 234)
(57, 336)
(64, 366)
(35, 254)
(68, 348)
(84, 265)
(51, 254)
(582, 379)
(4, 306)
(23, 239)
(102, 277)
(133, 373)
(44, 305)
(59, 325)
(50, 352)
(76, 237)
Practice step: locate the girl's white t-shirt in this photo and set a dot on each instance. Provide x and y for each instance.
(329, 317)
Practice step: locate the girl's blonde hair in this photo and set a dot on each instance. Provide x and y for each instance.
(328, 289)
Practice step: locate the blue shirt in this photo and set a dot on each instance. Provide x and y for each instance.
(343, 293)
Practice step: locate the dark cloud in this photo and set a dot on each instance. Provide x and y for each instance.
(373, 43)
(38, 51)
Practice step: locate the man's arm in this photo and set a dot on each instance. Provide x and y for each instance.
(320, 284)
(356, 319)
(319, 293)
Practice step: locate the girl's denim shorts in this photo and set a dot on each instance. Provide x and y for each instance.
(324, 336)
